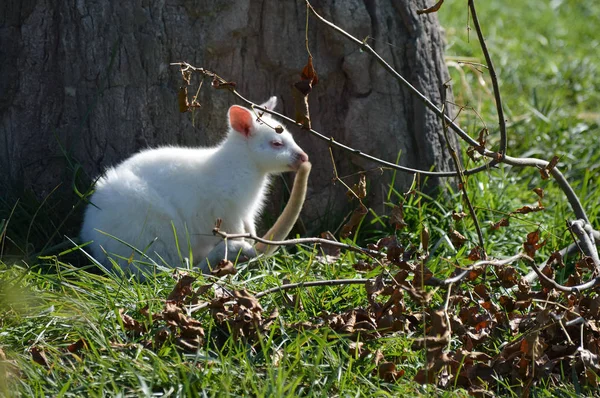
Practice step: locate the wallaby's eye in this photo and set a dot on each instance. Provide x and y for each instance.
(276, 144)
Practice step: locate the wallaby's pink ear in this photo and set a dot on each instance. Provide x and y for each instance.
(240, 119)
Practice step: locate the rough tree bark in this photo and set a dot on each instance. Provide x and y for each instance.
(92, 79)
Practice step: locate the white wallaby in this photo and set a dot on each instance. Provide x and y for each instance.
(140, 200)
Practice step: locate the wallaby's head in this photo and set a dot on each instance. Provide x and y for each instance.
(272, 152)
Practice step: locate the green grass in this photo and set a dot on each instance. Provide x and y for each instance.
(545, 55)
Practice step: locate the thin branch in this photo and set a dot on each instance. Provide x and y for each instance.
(448, 322)
(330, 140)
(587, 242)
(571, 289)
(331, 282)
(537, 273)
(321, 241)
(455, 279)
(461, 178)
(365, 47)
(532, 275)
(493, 77)
(558, 176)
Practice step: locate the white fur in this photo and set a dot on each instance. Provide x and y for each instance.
(137, 200)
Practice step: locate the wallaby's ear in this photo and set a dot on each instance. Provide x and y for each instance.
(240, 119)
(271, 103)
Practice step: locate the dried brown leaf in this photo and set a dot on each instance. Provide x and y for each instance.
(225, 267)
(357, 215)
(533, 346)
(349, 322)
(182, 99)
(422, 275)
(182, 289)
(309, 73)
(507, 275)
(556, 257)
(330, 250)
(482, 291)
(481, 137)
(528, 209)
(545, 171)
(397, 217)
(374, 287)
(458, 216)
(39, 357)
(219, 85)
(161, 336)
(552, 164)
(247, 300)
(474, 154)
(457, 238)
(475, 254)
(129, 323)
(358, 190)
(531, 245)
(300, 92)
(502, 223)
(388, 372)
(362, 265)
(77, 346)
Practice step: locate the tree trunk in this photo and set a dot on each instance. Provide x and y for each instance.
(89, 83)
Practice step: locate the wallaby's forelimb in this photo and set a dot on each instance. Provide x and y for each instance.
(231, 249)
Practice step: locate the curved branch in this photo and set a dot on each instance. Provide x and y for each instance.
(461, 178)
(331, 282)
(586, 241)
(333, 143)
(321, 241)
(494, 78)
(571, 289)
(455, 279)
(558, 176)
(365, 47)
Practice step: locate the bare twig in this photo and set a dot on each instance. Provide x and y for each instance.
(301, 241)
(461, 178)
(586, 241)
(464, 273)
(494, 78)
(532, 275)
(331, 282)
(571, 289)
(537, 273)
(365, 47)
(330, 141)
(558, 176)
(446, 306)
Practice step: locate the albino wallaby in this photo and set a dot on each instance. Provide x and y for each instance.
(163, 193)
